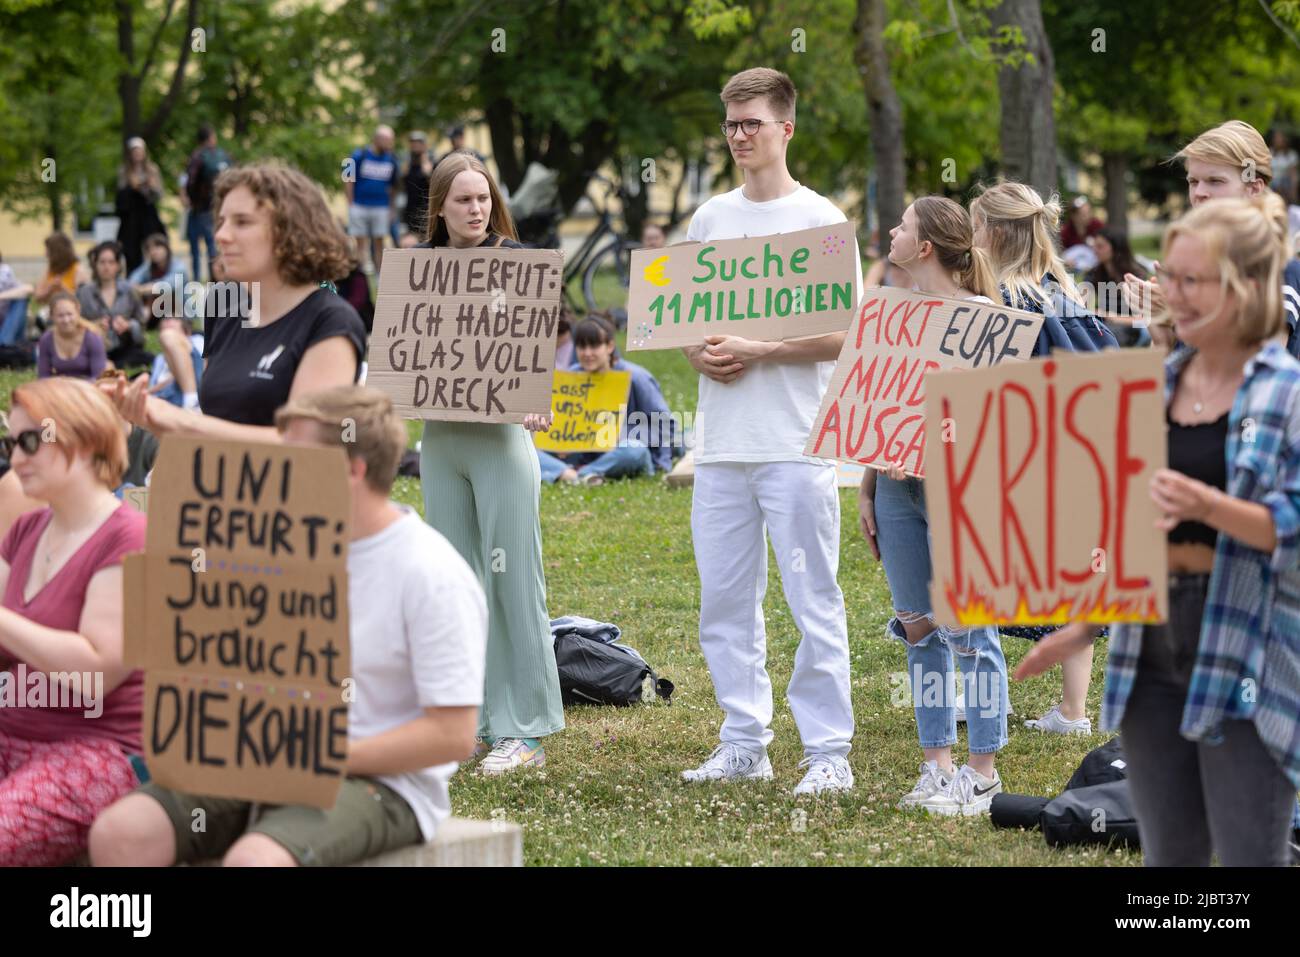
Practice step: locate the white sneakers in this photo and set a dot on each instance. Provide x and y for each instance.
(731, 762)
(967, 794)
(826, 772)
(933, 781)
(1054, 722)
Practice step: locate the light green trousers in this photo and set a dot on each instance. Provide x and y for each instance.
(481, 488)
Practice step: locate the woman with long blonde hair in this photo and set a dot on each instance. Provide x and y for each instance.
(481, 484)
(1018, 229)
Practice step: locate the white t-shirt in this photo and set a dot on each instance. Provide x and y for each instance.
(766, 414)
(419, 638)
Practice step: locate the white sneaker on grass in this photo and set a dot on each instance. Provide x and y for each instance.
(960, 705)
(731, 762)
(968, 794)
(510, 754)
(826, 772)
(1054, 722)
(933, 780)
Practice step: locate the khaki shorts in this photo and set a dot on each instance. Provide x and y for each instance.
(368, 818)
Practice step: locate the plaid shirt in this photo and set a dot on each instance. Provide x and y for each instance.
(1248, 662)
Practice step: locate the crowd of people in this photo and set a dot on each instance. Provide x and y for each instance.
(450, 637)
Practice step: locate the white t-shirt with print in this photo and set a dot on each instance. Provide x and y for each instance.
(766, 414)
(419, 638)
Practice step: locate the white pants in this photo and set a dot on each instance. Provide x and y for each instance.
(735, 505)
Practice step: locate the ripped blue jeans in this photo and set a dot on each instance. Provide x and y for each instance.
(903, 534)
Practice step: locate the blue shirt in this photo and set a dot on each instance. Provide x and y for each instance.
(1248, 661)
(376, 176)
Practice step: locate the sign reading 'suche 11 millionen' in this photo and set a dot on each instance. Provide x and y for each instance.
(786, 286)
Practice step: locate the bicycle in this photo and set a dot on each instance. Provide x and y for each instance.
(592, 258)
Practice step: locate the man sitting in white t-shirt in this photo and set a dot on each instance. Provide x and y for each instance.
(418, 626)
(756, 409)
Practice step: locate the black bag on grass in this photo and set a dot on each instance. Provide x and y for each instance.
(593, 672)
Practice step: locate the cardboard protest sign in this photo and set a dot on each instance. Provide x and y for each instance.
(786, 286)
(1037, 489)
(467, 335)
(872, 412)
(237, 610)
(137, 498)
(585, 409)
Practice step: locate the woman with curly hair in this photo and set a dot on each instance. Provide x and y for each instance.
(272, 332)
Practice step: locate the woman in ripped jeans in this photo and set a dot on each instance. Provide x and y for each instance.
(934, 245)
(1208, 703)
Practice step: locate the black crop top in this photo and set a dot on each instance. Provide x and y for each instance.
(1198, 452)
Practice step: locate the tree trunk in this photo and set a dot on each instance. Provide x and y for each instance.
(1116, 169)
(54, 193)
(128, 84)
(1028, 125)
(885, 114)
(131, 77)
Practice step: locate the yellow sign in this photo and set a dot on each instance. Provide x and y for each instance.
(586, 407)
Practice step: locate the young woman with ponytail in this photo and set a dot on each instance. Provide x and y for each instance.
(1018, 229)
(1209, 703)
(934, 246)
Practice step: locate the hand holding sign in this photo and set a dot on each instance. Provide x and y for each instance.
(467, 335)
(769, 288)
(1037, 488)
(238, 612)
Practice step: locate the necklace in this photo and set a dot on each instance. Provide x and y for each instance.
(1199, 402)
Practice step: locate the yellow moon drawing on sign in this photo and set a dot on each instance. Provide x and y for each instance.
(654, 273)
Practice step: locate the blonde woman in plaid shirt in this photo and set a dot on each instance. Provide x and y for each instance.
(1209, 703)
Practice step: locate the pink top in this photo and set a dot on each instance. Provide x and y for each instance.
(59, 605)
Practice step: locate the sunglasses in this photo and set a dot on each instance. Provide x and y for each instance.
(29, 442)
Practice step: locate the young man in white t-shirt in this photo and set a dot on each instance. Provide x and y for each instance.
(418, 627)
(756, 409)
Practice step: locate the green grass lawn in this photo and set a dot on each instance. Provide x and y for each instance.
(610, 792)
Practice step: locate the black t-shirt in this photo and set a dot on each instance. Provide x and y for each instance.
(491, 239)
(248, 371)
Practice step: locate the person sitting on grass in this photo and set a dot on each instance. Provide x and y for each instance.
(643, 448)
(71, 346)
(61, 621)
(418, 623)
(161, 273)
(110, 302)
(14, 297)
(178, 369)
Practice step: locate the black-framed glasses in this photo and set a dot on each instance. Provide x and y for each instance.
(750, 126)
(29, 441)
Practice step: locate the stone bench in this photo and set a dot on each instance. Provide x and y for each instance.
(460, 842)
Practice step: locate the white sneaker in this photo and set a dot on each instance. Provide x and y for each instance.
(968, 794)
(730, 762)
(934, 780)
(1054, 722)
(960, 705)
(826, 772)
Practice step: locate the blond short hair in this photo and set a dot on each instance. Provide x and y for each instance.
(1236, 144)
(1247, 239)
(358, 420)
(83, 418)
(763, 81)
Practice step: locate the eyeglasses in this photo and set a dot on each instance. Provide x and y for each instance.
(750, 126)
(1188, 285)
(29, 441)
